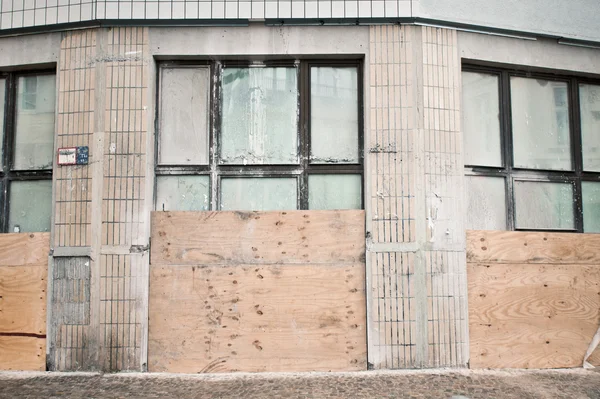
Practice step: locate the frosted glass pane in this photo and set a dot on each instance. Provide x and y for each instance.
(184, 127)
(2, 104)
(182, 193)
(591, 207)
(34, 138)
(30, 206)
(258, 194)
(259, 116)
(486, 203)
(540, 123)
(334, 192)
(481, 119)
(589, 100)
(543, 205)
(333, 115)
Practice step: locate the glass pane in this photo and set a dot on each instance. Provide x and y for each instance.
(540, 205)
(184, 127)
(2, 94)
(182, 193)
(589, 99)
(334, 192)
(34, 138)
(486, 203)
(591, 207)
(259, 116)
(333, 115)
(30, 206)
(258, 193)
(481, 119)
(540, 119)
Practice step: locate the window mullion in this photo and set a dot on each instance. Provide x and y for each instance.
(8, 146)
(304, 133)
(507, 146)
(215, 129)
(576, 151)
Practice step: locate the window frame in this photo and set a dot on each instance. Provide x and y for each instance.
(8, 174)
(301, 170)
(510, 173)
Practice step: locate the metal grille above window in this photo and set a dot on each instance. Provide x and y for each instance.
(267, 136)
(27, 115)
(532, 150)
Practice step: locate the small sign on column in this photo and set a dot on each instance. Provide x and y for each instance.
(73, 155)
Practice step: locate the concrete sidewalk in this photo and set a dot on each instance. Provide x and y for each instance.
(521, 384)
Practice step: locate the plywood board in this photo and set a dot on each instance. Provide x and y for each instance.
(23, 299)
(257, 318)
(533, 247)
(24, 249)
(22, 353)
(297, 237)
(532, 315)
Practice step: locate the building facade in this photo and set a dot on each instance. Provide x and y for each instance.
(205, 186)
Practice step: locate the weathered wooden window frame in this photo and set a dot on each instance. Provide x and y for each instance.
(8, 174)
(216, 170)
(508, 172)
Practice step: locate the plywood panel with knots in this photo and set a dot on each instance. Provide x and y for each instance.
(532, 315)
(257, 318)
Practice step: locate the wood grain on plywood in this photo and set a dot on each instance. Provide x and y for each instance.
(18, 249)
(257, 318)
(533, 247)
(23, 299)
(532, 315)
(297, 237)
(22, 353)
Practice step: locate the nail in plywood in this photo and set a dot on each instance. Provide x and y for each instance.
(532, 315)
(533, 247)
(306, 237)
(257, 318)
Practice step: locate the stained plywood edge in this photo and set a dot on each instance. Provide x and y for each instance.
(17, 249)
(532, 316)
(532, 247)
(23, 299)
(257, 318)
(297, 237)
(22, 353)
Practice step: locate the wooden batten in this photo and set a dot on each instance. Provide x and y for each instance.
(296, 237)
(23, 282)
(533, 247)
(257, 291)
(19, 249)
(524, 313)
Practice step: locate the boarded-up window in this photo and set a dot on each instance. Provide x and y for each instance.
(278, 135)
(27, 128)
(531, 150)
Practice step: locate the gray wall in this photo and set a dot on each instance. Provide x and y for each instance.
(577, 19)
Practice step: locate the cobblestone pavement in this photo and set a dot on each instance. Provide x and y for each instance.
(375, 384)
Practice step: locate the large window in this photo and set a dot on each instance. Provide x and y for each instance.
(268, 136)
(27, 110)
(532, 150)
